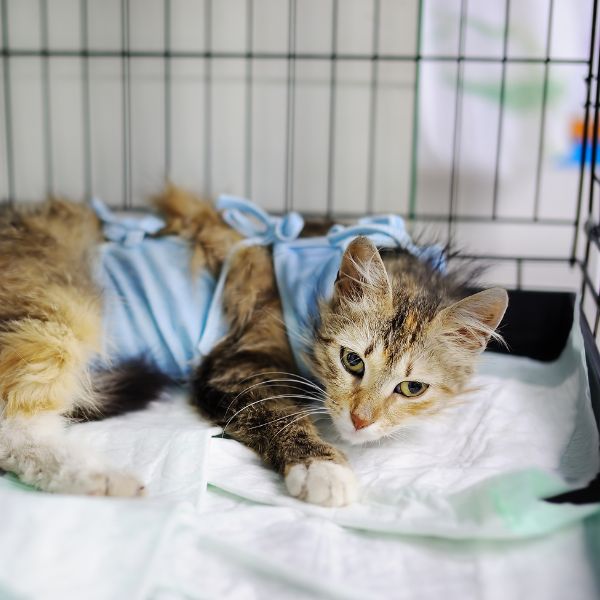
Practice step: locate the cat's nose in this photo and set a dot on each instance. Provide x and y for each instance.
(359, 423)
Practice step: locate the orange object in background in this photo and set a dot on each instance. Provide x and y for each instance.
(577, 130)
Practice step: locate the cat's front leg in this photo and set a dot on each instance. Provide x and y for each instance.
(260, 411)
(314, 470)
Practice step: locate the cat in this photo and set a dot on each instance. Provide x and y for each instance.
(397, 341)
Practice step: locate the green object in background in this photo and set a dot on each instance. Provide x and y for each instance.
(523, 95)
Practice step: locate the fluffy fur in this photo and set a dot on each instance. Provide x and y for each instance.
(405, 321)
(50, 329)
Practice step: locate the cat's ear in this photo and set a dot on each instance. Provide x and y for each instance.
(362, 273)
(471, 321)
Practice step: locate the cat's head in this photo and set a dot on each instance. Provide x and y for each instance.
(393, 348)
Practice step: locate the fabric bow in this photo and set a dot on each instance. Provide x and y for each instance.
(383, 229)
(255, 224)
(125, 230)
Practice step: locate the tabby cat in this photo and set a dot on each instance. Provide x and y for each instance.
(397, 341)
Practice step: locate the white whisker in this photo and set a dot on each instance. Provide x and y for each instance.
(296, 376)
(285, 427)
(255, 385)
(292, 387)
(305, 413)
(278, 396)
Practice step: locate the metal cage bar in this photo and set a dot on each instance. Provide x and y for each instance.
(457, 122)
(289, 55)
(332, 54)
(373, 88)
(590, 151)
(290, 118)
(208, 96)
(126, 102)
(331, 108)
(86, 108)
(167, 89)
(500, 127)
(46, 99)
(10, 169)
(249, 98)
(542, 134)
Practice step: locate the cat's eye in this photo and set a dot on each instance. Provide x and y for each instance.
(352, 362)
(411, 389)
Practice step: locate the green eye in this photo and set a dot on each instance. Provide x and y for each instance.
(411, 389)
(352, 362)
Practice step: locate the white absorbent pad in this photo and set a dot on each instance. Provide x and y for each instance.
(478, 470)
(472, 478)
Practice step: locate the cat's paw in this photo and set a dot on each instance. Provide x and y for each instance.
(106, 482)
(322, 482)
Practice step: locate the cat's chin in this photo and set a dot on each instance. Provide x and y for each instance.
(355, 436)
(359, 438)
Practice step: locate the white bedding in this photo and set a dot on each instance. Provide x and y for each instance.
(454, 509)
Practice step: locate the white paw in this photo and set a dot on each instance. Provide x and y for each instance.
(322, 482)
(99, 483)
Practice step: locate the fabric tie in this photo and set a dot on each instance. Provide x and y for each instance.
(386, 231)
(128, 231)
(258, 228)
(255, 224)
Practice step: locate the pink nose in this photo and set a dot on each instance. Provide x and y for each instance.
(359, 423)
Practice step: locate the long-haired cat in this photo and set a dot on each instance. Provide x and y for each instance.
(397, 341)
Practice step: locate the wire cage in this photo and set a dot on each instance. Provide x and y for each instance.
(477, 121)
(331, 108)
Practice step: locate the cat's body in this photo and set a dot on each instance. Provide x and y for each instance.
(394, 343)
